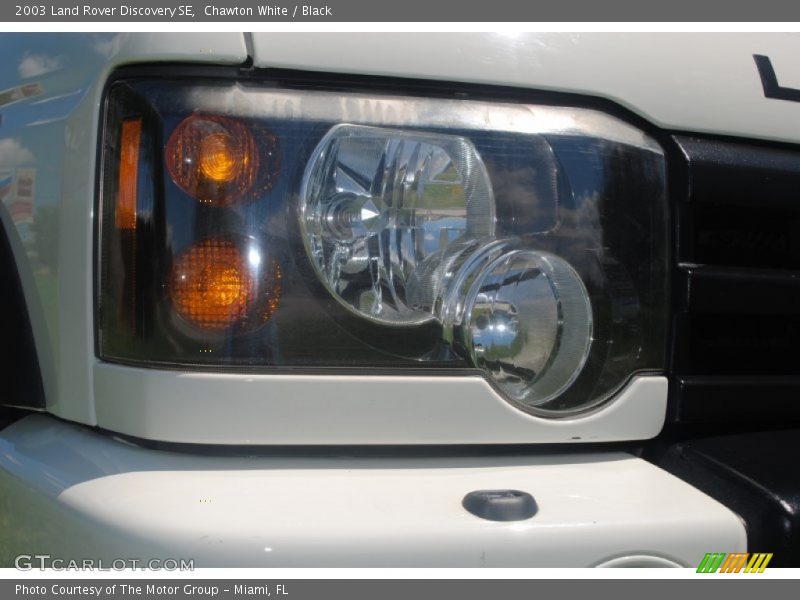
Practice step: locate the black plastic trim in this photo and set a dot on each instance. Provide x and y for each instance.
(741, 291)
(739, 172)
(745, 399)
(755, 475)
(736, 284)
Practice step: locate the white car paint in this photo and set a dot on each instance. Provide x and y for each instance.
(105, 499)
(699, 82)
(367, 409)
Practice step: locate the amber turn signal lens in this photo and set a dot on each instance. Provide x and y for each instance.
(214, 286)
(130, 139)
(218, 160)
(211, 286)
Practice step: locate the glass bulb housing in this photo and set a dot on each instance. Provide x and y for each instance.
(524, 317)
(376, 202)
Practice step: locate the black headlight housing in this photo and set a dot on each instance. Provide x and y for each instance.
(248, 224)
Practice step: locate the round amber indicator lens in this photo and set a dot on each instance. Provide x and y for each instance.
(219, 160)
(216, 159)
(211, 285)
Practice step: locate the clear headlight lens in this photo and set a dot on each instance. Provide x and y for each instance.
(303, 228)
(523, 316)
(375, 203)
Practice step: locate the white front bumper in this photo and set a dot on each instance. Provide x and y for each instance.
(74, 493)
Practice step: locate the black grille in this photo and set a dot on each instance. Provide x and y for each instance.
(736, 343)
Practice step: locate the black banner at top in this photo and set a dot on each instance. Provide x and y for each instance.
(183, 11)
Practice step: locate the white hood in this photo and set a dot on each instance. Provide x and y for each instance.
(702, 82)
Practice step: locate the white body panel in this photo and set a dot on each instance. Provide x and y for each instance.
(259, 409)
(701, 82)
(106, 499)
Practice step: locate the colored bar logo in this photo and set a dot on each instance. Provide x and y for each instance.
(720, 562)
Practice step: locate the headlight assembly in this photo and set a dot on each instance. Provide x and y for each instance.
(248, 225)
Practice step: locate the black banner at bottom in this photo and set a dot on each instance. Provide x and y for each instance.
(732, 586)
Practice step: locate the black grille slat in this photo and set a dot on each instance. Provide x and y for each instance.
(732, 235)
(736, 285)
(723, 400)
(732, 344)
(738, 173)
(738, 291)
